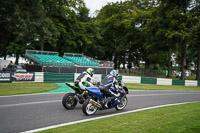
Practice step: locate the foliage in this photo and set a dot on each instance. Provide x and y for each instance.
(125, 32)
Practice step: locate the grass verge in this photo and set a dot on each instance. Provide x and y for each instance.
(180, 118)
(161, 87)
(30, 88)
(25, 88)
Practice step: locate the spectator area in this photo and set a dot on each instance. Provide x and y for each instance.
(50, 60)
(81, 61)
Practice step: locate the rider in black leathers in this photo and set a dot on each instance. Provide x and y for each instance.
(108, 82)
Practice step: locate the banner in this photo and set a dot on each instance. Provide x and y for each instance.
(23, 77)
(5, 77)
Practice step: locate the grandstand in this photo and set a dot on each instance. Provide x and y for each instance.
(49, 58)
(80, 59)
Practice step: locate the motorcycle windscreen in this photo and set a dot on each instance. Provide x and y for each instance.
(124, 86)
(95, 91)
(126, 89)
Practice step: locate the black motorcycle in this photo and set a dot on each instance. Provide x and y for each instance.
(70, 100)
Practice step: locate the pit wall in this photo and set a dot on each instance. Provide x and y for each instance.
(70, 77)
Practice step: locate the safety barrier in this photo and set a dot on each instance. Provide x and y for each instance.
(6, 77)
(148, 80)
(58, 77)
(190, 83)
(159, 81)
(39, 77)
(131, 79)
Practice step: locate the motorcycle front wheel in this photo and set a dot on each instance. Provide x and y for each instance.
(88, 108)
(122, 104)
(69, 101)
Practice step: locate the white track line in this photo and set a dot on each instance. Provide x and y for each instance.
(160, 94)
(34, 94)
(101, 117)
(30, 103)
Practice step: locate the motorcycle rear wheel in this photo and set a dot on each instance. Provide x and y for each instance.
(88, 108)
(69, 101)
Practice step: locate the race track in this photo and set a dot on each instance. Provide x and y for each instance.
(28, 112)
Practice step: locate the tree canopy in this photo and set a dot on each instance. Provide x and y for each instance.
(125, 32)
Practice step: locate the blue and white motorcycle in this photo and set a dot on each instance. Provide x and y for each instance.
(96, 99)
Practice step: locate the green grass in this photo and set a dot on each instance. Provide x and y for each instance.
(30, 88)
(25, 88)
(161, 87)
(174, 119)
(187, 78)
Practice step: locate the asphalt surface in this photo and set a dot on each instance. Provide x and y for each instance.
(28, 112)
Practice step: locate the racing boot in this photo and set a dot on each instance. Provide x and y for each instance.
(104, 102)
(107, 100)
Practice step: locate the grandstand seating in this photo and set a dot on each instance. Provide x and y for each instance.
(50, 60)
(81, 61)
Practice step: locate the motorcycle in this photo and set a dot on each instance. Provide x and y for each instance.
(70, 100)
(96, 99)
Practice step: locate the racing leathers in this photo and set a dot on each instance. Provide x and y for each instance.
(84, 77)
(108, 82)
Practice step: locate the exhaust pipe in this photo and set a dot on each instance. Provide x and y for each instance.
(95, 103)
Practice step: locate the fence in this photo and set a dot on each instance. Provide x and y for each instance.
(41, 52)
(76, 69)
(142, 72)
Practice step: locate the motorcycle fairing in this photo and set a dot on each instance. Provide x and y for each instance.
(95, 91)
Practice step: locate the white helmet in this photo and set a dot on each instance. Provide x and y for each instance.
(114, 73)
(90, 71)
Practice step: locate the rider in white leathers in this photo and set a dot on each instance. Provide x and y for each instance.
(84, 77)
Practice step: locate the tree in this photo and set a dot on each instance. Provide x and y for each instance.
(108, 19)
(195, 33)
(24, 22)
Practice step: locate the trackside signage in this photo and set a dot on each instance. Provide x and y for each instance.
(5, 77)
(23, 76)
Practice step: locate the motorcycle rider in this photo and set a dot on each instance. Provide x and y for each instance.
(108, 82)
(84, 77)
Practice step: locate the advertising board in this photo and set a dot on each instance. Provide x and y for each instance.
(5, 77)
(23, 77)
